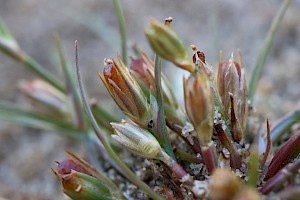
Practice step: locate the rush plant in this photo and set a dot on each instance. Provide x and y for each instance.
(200, 152)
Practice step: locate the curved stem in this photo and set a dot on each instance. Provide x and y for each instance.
(122, 29)
(260, 63)
(284, 124)
(131, 176)
(160, 126)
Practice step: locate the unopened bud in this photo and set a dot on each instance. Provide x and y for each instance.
(137, 140)
(199, 105)
(79, 186)
(43, 96)
(166, 44)
(8, 43)
(80, 180)
(126, 92)
(233, 92)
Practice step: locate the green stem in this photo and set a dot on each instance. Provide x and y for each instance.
(22, 58)
(284, 125)
(71, 89)
(104, 141)
(162, 131)
(122, 28)
(10, 112)
(253, 173)
(103, 117)
(186, 157)
(260, 63)
(92, 153)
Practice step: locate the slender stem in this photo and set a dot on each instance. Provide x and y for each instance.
(183, 155)
(210, 157)
(103, 153)
(92, 153)
(12, 113)
(253, 173)
(289, 151)
(122, 28)
(22, 58)
(104, 141)
(235, 158)
(71, 88)
(184, 177)
(160, 125)
(279, 179)
(268, 148)
(284, 124)
(260, 63)
(103, 117)
(178, 130)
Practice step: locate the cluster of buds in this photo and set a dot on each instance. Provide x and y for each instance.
(214, 104)
(215, 117)
(142, 70)
(207, 137)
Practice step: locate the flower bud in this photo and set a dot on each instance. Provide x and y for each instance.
(80, 180)
(199, 105)
(143, 71)
(166, 44)
(137, 140)
(43, 96)
(126, 92)
(8, 43)
(223, 185)
(233, 92)
(80, 186)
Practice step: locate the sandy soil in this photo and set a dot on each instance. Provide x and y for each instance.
(26, 155)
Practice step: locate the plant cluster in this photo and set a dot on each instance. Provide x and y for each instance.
(209, 150)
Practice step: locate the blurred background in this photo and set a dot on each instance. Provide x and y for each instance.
(26, 155)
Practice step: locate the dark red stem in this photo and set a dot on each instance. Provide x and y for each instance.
(268, 147)
(278, 180)
(235, 158)
(177, 129)
(286, 154)
(210, 157)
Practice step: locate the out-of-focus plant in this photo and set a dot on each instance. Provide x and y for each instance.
(202, 151)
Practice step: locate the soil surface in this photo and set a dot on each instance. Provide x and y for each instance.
(26, 155)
